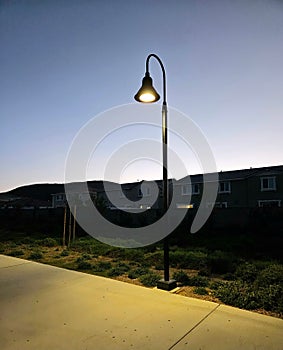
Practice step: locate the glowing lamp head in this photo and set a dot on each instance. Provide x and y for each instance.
(147, 93)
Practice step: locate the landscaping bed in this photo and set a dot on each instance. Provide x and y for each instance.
(217, 276)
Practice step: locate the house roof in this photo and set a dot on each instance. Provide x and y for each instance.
(235, 174)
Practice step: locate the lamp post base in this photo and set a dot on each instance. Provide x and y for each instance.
(166, 285)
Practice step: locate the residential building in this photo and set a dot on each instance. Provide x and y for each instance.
(254, 187)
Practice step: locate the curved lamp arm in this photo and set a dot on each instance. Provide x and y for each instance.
(163, 72)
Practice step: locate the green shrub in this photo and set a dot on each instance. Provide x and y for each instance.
(138, 272)
(36, 255)
(229, 276)
(84, 265)
(154, 259)
(216, 284)
(238, 294)
(182, 277)
(203, 272)
(188, 259)
(64, 253)
(49, 242)
(27, 240)
(198, 281)
(135, 255)
(102, 266)
(118, 270)
(150, 279)
(200, 291)
(16, 253)
(159, 267)
(80, 259)
(221, 262)
(86, 256)
(246, 272)
(273, 274)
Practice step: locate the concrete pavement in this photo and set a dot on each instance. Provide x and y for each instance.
(45, 307)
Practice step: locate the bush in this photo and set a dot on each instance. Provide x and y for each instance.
(238, 294)
(271, 298)
(102, 266)
(188, 259)
(216, 284)
(49, 242)
(84, 265)
(155, 258)
(16, 253)
(198, 281)
(221, 262)
(35, 255)
(182, 277)
(118, 270)
(64, 253)
(246, 272)
(86, 257)
(200, 291)
(273, 274)
(150, 279)
(138, 272)
(27, 240)
(132, 255)
(203, 272)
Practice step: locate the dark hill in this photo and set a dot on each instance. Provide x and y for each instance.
(36, 191)
(43, 191)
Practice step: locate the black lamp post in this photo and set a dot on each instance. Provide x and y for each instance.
(147, 94)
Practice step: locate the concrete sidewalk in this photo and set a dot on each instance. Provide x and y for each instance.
(44, 307)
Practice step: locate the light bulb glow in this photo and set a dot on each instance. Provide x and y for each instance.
(147, 97)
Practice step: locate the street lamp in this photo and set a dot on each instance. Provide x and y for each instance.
(147, 94)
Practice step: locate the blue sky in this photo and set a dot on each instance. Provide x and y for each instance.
(64, 62)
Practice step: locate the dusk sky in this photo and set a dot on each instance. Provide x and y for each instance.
(64, 62)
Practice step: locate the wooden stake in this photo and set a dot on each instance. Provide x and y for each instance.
(64, 230)
(70, 227)
(74, 223)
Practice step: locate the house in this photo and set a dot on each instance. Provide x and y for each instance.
(136, 196)
(250, 188)
(246, 188)
(59, 200)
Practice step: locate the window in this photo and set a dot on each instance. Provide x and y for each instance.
(195, 188)
(224, 187)
(184, 206)
(268, 183)
(59, 197)
(188, 189)
(269, 203)
(146, 192)
(221, 205)
(217, 205)
(185, 189)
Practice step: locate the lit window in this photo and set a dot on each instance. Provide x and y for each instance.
(224, 187)
(268, 183)
(184, 206)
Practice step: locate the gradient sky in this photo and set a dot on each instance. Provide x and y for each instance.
(64, 62)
